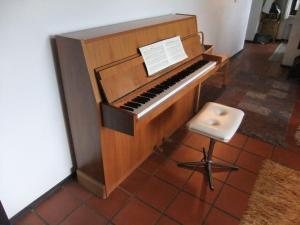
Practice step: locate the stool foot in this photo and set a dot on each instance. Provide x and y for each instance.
(192, 164)
(210, 178)
(224, 165)
(208, 165)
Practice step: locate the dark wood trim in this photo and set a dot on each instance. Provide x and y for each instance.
(3, 217)
(119, 120)
(236, 54)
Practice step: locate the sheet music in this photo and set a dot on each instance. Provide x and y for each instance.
(163, 54)
(155, 57)
(174, 49)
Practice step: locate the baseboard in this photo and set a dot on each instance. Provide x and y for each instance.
(40, 199)
(91, 184)
(236, 54)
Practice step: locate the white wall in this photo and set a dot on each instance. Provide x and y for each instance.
(34, 151)
(292, 47)
(254, 19)
(233, 20)
(267, 6)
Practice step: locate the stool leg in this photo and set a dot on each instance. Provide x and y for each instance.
(192, 164)
(210, 149)
(210, 178)
(224, 165)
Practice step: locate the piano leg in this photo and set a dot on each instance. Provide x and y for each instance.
(225, 73)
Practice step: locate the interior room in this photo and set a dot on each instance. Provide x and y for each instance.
(150, 112)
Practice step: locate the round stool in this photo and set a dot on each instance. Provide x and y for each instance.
(218, 122)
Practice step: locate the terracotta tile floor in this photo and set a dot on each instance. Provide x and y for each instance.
(159, 192)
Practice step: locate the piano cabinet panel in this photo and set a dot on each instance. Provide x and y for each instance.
(109, 49)
(122, 153)
(83, 111)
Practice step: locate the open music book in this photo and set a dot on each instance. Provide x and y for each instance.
(163, 54)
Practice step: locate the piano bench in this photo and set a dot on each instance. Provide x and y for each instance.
(219, 123)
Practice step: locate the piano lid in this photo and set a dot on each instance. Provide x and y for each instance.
(91, 34)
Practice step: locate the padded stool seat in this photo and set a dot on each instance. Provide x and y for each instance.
(218, 122)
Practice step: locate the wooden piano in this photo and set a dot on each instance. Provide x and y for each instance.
(117, 113)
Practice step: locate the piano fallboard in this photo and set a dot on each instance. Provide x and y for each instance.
(146, 108)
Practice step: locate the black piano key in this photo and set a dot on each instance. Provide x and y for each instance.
(126, 108)
(155, 91)
(132, 104)
(161, 86)
(166, 83)
(141, 99)
(148, 95)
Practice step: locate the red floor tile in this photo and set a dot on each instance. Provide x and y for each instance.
(259, 147)
(135, 181)
(286, 157)
(84, 216)
(196, 141)
(180, 136)
(242, 179)
(225, 152)
(157, 193)
(77, 190)
(217, 217)
(188, 210)
(166, 221)
(232, 201)
(29, 218)
(57, 206)
(167, 148)
(250, 161)
(198, 186)
(110, 206)
(184, 154)
(136, 213)
(173, 174)
(238, 140)
(152, 164)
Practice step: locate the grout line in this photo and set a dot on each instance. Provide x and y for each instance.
(69, 214)
(39, 216)
(110, 220)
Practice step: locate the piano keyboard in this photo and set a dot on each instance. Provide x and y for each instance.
(150, 99)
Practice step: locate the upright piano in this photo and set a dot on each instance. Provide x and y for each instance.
(117, 113)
